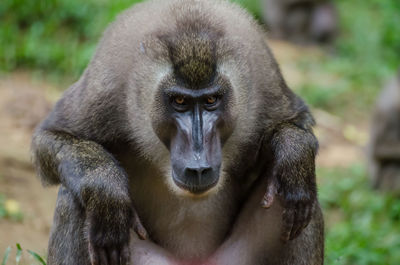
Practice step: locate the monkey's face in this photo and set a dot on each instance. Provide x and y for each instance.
(195, 125)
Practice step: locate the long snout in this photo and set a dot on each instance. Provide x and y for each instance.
(196, 154)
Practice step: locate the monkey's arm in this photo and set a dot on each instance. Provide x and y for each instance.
(294, 148)
(98, 183)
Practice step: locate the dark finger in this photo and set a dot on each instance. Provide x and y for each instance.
(125, 255)
(297, 221)
(114, 257)
(295, 234)
(300, 221)
(93, 255)
(103, 256)
(310, 214)
(288, 218)
(307, 216)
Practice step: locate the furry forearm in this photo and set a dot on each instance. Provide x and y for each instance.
(294, 150)
(82, 166)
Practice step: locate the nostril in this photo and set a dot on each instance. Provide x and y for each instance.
(196, 179)
(192, 173)
(206, 172)
(195, 173)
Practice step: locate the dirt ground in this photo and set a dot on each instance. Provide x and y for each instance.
(24, 102)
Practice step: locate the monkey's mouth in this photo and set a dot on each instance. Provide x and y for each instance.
(196, 186)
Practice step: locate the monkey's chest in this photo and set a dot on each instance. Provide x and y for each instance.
(188, 228)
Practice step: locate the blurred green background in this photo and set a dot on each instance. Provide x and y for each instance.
(54, 40)
(59, 36)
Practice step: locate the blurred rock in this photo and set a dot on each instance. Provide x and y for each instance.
(384, 146)
(301, 21)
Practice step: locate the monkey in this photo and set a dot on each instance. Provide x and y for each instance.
(384, 146)
(301, 21)
(176, 131)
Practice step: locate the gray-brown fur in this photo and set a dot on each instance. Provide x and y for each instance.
(384, 147)
(301, 21)
(103, 142)
(193, 53)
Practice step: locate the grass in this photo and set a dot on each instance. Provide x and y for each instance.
(362, 224)
(57, 36)
(18, 256)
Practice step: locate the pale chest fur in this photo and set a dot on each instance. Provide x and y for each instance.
(187, 227)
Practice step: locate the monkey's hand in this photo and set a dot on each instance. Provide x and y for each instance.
(293, 178)
(99, 184)
(298, 206)
(298, 210)
(108, 231)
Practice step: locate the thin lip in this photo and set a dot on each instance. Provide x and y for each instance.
(189, 189)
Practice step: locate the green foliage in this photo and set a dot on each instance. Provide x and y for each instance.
(53, 35)
(19, 253)
(6, 254)
(320, 96)
(366, 54)
(254, 6)
(362, 224)
(370, 32)
(37, 257)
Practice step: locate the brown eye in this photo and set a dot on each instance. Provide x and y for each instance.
(211, 100)
(179, 100)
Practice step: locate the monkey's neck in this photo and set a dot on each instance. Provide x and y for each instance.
(191, 229)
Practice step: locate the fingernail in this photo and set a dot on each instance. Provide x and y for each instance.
(142, 234)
